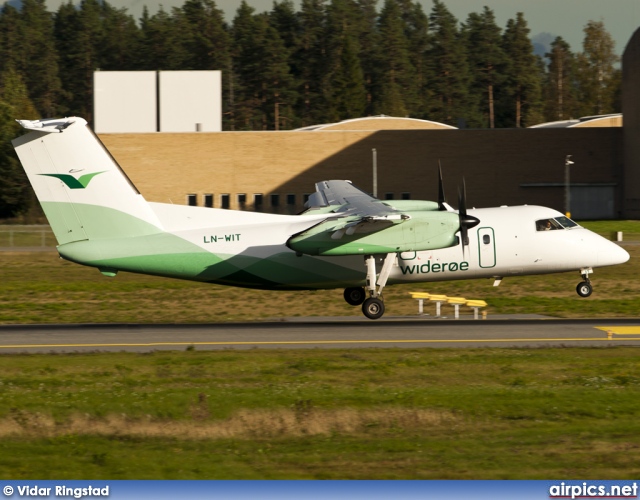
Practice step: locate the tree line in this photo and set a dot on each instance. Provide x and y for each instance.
(328, 61)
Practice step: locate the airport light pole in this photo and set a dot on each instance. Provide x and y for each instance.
(567, 186)
(375, 172)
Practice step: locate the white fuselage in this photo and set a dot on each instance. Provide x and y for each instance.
(505, 243)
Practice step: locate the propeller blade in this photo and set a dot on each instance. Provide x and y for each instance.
(441, 198)
(466, 221)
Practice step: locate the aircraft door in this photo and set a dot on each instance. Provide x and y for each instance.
(486, 247)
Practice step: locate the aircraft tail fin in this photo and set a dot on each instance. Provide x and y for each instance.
(82, 189)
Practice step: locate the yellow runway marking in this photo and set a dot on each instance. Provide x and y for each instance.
(621, 330)
(308, 342)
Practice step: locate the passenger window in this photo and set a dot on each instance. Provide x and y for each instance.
(486, 239)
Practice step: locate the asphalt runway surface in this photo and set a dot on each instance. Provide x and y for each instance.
(322, 333)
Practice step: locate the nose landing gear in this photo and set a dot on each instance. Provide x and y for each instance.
(585, 288)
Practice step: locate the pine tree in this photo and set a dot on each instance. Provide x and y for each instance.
(39, 61)
(11, 46)
(560, 102)
(284, 20)
(265, 87)
(348, 98)
(596, 71)
(247, 100)
(207, 38)
(121, 41)
(396, 90)
(416, 27)
(369, 48)
(449, 67)
(487, 59)
(278, 85)
(163, 45)
(14, 102)
(523, 106)
(309, 63)
(79, 35)
(343, 81)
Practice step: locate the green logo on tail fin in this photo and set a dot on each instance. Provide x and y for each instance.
(73, 183)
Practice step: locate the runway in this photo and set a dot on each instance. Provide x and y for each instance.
(320, 333)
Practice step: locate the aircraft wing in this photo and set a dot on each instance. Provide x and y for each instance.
(349, 200)
(359, 224)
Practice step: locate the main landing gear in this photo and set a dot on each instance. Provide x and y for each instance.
(373, 305)
(585, 288)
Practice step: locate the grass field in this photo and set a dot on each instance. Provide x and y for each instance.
(38, 287)
(323, 414)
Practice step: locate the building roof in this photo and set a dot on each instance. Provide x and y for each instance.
(613, 120)
(381, 122)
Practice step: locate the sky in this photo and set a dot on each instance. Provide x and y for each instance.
(546, 18)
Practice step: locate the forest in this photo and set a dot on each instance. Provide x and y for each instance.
(283, 69)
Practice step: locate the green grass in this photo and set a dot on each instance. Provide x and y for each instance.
(26, 236)
(607, 228)
(338, 414)
(39, 287)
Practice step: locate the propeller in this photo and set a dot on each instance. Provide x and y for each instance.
(466, 221)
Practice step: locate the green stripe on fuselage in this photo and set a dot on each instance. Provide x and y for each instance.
(170, 255)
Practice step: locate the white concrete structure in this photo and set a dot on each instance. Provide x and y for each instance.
(125, 101)
(190, 101)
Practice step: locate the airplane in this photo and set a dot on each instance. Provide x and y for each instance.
(344, 239)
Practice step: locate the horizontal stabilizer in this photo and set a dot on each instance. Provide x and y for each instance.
(47, 126)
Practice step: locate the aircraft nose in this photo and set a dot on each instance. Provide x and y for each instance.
(612, 254)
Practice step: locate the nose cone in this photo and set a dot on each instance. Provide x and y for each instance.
(611, 254)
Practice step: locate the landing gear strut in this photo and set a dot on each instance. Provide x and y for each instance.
(373, 307)
(584, 288)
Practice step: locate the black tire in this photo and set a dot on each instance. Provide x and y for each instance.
(584, 289)
(373, 308)
(354, 296)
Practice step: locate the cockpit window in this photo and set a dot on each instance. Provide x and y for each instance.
(553, 224)
(566, 222)
(547, 225)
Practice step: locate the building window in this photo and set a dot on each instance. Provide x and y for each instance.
(192, 200)
(208, 200)
(305, 197)
(275, 200)
(257, 202)
(224, 201)
(388, 196)
(291, 199)
(242, 201)
(406, 196)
